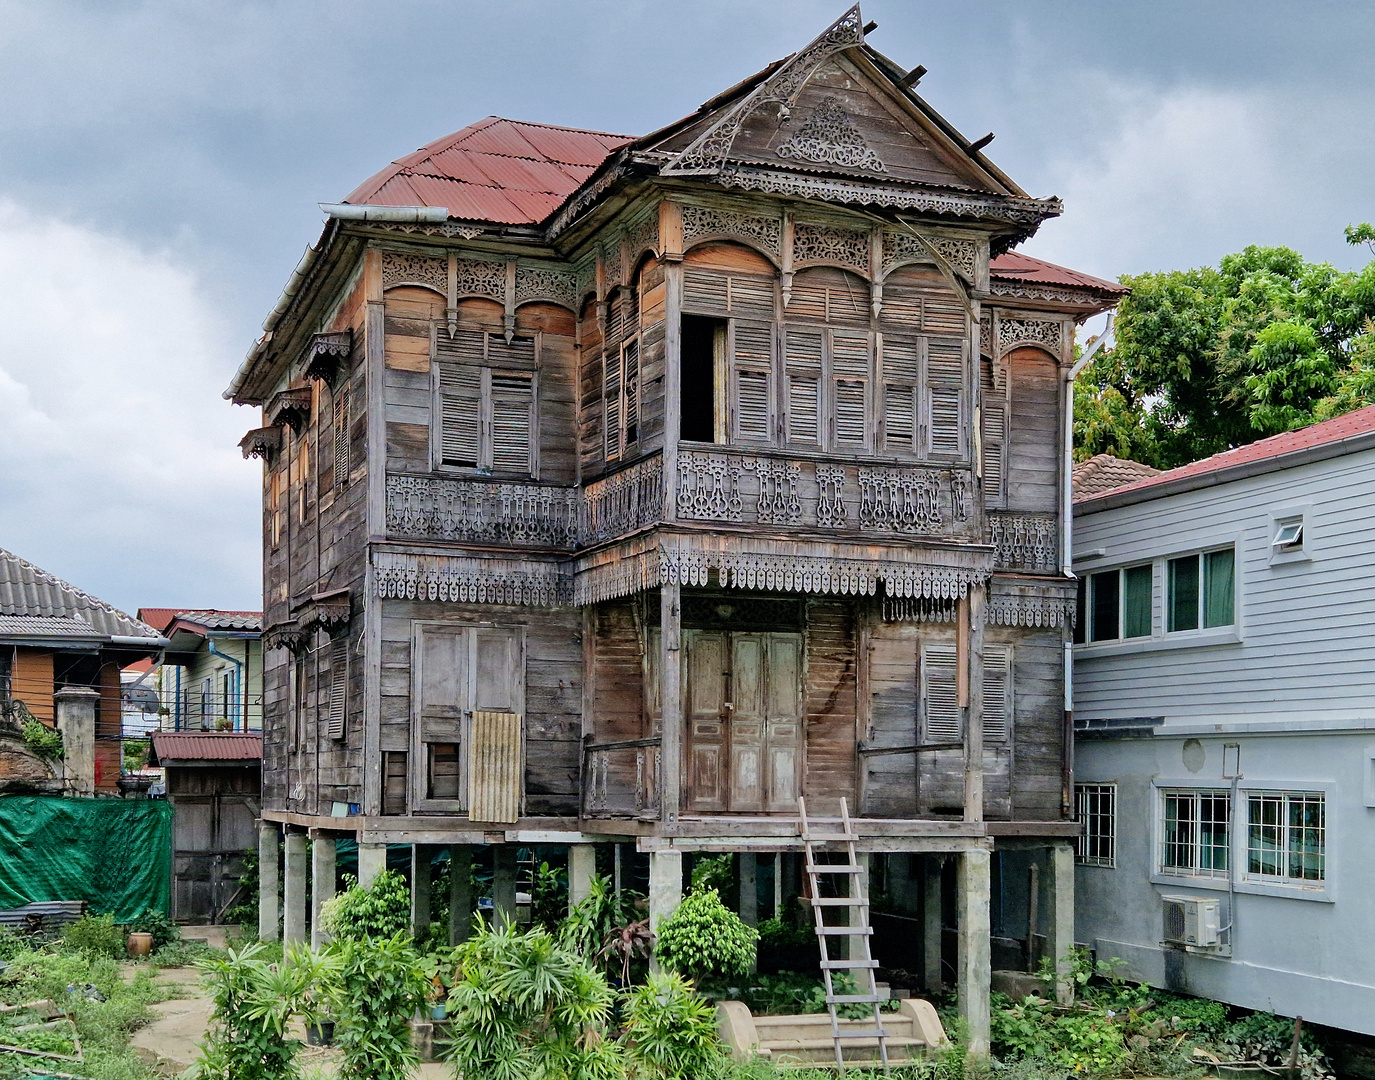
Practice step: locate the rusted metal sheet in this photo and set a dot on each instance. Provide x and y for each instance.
(494, 763)
(175, 746)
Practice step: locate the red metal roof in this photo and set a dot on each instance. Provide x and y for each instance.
(504, 171)
(1360, 422)
(205, 746)
(1014, 266)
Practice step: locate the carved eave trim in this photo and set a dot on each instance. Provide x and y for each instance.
(1014, 602)
(1012, 331)
(328, 611)
(327, 354)
(1051, 294)
(290, 407)
(461, 579)
(263, 442)
(287, 635)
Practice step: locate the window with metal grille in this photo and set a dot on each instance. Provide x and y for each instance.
(942, 719)
(1195, 833)
(342, 421)
(485, 390)
(1286, 836)
(1096, 809)
(338, 686)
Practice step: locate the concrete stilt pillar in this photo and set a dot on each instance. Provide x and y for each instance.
(269, 882)
(294, 889)
(665, 886)
(582, 868)
(76, 719)
(1061, 934)
(321, 886)
(372, 860)
(460, 893)
(504, 881)
(420, 891)
(778, 871)
(932, 924)
(749, 888)
(975, 963)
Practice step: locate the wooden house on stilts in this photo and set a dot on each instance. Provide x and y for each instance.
(627, 489)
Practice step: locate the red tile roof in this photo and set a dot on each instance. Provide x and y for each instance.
(504, 171)
(1353, 424)
(1014, 266)
(175, 746)
(1104, 472)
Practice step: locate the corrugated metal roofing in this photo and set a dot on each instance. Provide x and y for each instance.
(1360, 422)
(205, 746)
(27, 590)
(504, 171)
(1014, 266)
(45, 626)
(1104, 472)
(212, 619)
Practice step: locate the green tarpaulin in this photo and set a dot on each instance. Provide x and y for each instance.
(116, 854)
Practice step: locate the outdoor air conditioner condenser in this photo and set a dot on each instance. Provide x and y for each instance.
(1192, 921)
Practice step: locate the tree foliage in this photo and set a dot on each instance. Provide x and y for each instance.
(380, 911)
(705, 940)
(1213, 358)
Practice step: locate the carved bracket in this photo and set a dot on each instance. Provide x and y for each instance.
(290, 407)
(326, 356)
(263, 442)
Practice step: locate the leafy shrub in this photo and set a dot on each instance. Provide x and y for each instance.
(183, 953)
(11, 944)
(705, 940)
(524, 1004)
(793, 992)
(135, 755)
(380, 911)
(1079, 1041)
(163, 929)
(378, 986)
(604, 924)
(94, 935)
(670, 1032)
(1198, 1016)
(44, 741)
(1268, 1039)
(714, 872)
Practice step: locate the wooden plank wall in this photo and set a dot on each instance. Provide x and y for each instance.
(830, 702)
(31, 682)
(618, 688)
(1033, 461)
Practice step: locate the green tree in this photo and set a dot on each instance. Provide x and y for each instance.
(1213, 358)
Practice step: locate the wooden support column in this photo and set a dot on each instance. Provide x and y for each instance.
(582, 868)
(269, 882)
(860, 888)
(671, 698)
(1062, 920)
(975, 962)
(460, 893)
(372, 860)
(294, 890)
(321, 886)
(970, 646)
(665, 887)
(420, 891)
(504, 881)
(374, 345)
(932, 925)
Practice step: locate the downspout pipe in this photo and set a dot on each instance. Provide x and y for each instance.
(239, 674)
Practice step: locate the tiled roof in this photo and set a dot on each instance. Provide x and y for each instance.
(1014, 266)
(27, 590)
(1351, 426)
(45, 626)
(177, 746)
(497, 170)
(1103, 472)
(212, 619)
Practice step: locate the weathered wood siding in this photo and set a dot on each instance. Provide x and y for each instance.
(1036, 449)
(830, 771)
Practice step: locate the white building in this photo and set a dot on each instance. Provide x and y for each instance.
(1224, 696)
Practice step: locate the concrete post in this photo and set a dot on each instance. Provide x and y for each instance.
(932, 925)
(420, 891)
(665, 886)
(582, 868)
(975, 963)
(779, 868)
(269, 882)
(504, 881)
(749, 888)
(460, 893)
(76, 715)
(321, 887)
(294, 890)
(372, 860)
(1062, 920)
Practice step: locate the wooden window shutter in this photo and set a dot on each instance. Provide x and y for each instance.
(901, 364)
(752, 371)
(751, 297)
(612, 399)
(706, 291)
(994, 441)
(802, 368)
(997, 705)
(945, 397)
(940, 695)
(342, 421)
(851, 364)
(460, 404)
(338, 686)
(630, 389)
(513, 419)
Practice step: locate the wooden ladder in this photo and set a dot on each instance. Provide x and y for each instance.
(857, 929)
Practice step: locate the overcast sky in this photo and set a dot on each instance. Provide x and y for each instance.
(161, 162)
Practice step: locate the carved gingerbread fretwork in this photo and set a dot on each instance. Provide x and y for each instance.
(451, 230)
(611, 263)
(986, 334)
(545, 283)
(1020, 606)
(901, 247)
(482, 277)
(455, 579)
(700, 221)
(1041, 292)
(831, 244)
(961, 255)
(830, 503)
(778, 501)
(623, 502)
(1044, 332)
(709, 487)
(427, 508)
(900, 500)
(263, 442)
(399, 268)
(918, 609)
(961, 496)
(1029, 543)
(829, 137)
(644, 234)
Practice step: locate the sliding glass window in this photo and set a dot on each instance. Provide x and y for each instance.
(1201, 590)
(1119, 603)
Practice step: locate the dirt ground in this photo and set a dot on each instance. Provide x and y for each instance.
(171, 1041)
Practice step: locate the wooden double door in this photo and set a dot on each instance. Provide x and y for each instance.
(743, 706)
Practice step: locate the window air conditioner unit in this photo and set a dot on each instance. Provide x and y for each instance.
(1192, 921)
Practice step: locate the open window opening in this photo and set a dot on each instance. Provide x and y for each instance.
(703, 401)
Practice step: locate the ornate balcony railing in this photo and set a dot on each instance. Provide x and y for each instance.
(435, 508)
(623, 502)
(621, 779)
(1028, 543)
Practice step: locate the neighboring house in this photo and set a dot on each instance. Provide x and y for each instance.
(211, 678)
(1224, 699)
(627, 489)
(213, 783)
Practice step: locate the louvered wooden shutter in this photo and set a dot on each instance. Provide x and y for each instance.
(945, 396)
(460, 403)
(994, 442)
(706, 291)
(513, 403)
(850, 370)
(338, 686)
(630, 389)
(901, 361)
(751, 297)
(342, 419)
(802, 370)
(611, 400)
(997, 705)
(940, 695)
(752, 371)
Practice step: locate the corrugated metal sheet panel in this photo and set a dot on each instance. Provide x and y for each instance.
(27, 590)
(494, 767)
(207, 746)
(1014, 266)
(52, 912)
